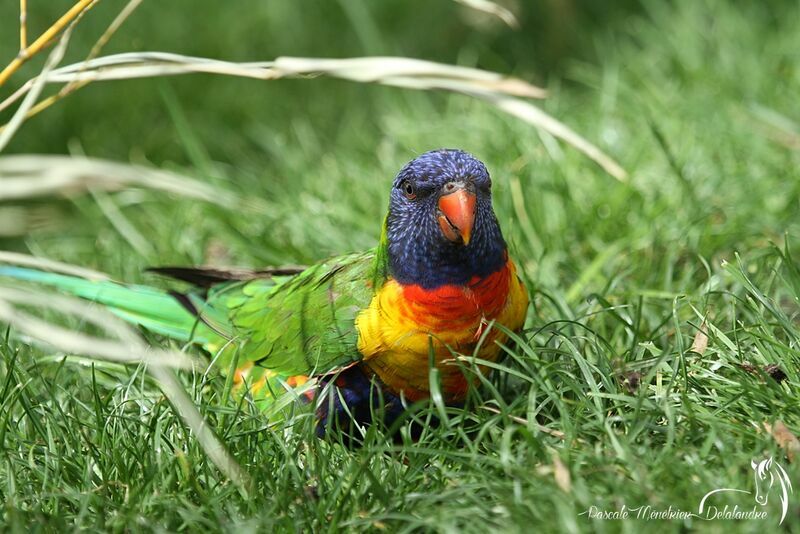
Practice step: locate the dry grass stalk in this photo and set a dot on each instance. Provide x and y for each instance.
(700, 342)
(94, 52)
(126, 347)
(785, 439)
(561, 474)
(24, 260)
(23, 25)
(521, 420)
(45, 175)
(498, 90)
(21, 114)
(492, 8)
(27, 52)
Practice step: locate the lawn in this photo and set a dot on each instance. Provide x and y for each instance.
(661, 353)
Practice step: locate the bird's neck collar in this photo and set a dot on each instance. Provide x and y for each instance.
(431, 265)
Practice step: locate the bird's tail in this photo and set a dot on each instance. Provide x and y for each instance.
(154, 309)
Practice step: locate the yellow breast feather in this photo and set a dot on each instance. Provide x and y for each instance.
(404, 325)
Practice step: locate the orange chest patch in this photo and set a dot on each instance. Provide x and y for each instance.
(404, 325)
(454, 307)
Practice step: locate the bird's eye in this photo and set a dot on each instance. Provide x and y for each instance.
(409, 190)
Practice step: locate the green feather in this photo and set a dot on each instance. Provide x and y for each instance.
(151, 308)
(292, 325)
(380, 267)
(305, 324)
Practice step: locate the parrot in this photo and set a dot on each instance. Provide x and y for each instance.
(438, 284)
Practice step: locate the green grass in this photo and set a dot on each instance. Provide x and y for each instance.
(696, 100)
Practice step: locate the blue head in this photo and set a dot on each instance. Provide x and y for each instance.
(441, 227)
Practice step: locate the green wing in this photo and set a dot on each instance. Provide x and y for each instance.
(298, 325)
(302, 324)
(278, 330)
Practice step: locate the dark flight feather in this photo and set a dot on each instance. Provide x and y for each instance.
(206, 277)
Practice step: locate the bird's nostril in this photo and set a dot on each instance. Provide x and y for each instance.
(449, 187)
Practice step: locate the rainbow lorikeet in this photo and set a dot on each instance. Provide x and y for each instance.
(439, 278)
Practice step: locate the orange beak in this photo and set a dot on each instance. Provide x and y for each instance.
(457, 215)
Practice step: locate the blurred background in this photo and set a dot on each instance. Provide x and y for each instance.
(228, 113)
(646, 334)
(695, 99)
